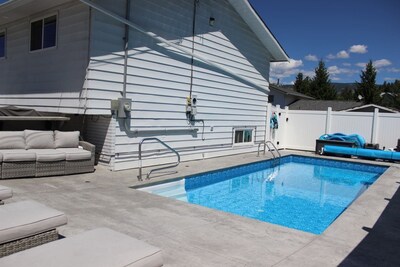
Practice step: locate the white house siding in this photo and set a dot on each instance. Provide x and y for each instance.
(100, 131)
(48, 80)
(159, 79)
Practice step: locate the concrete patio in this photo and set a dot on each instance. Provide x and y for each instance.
(367, 233)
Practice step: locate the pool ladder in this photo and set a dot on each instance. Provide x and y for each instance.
(277, 158)
(156, 169)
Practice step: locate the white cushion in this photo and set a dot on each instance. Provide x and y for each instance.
(96, 248)
(66, 139)
(26, 218)
(39, 139)
(14, 155)
(75, 153)
(5, 192)
(48, 155)
(12, 140)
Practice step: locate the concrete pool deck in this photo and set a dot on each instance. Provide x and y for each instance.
(367, 233)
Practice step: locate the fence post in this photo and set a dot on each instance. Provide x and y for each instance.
(375, 126)
(268, 124)
(328, 120)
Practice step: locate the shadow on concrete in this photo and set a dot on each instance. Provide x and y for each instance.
(381, 247)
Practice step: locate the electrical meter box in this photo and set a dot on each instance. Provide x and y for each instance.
(122, 107)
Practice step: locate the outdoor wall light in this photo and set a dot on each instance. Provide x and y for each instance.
(211, 21)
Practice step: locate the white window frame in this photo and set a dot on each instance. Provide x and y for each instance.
(42, 18)
(5, 43)
(252, 129)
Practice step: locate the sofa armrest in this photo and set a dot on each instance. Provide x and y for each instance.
(88, 146)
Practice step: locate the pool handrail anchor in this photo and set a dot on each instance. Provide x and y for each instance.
(266, 145)
(156, 169)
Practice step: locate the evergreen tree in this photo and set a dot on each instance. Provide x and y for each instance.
(347, 94)
(367, 86)
(302, 85)
(321, 87)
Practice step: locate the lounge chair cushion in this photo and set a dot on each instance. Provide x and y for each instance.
(48, 155)
(27, 218)
(5, 192)
(75, 153)
(39, 139)
(16, 155)
(98, 248)
(12, 140)
(66, 139)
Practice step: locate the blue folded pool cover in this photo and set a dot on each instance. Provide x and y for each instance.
(362, 152)
(357, 139)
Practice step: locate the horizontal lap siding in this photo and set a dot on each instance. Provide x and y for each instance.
(158, 79)
(49, 80)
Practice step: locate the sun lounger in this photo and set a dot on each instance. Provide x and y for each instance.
(98, 248)
(27, 224)
(5, 193)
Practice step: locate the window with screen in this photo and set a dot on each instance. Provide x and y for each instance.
(243, 136)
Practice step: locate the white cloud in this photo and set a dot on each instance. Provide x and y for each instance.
(330, 56)
(285, 69)
(390, 79)
(358, 49)
(361, 64)
(346, 64)
(342, 54)
(335, 70)
(393, 70)
(381, 63)
(311, 57)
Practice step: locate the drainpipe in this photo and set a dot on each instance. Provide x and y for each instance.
(177, 47)
(126, 46)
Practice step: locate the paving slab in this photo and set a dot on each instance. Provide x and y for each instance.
(190, 235)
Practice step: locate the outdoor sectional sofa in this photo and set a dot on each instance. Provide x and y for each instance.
(32, 153)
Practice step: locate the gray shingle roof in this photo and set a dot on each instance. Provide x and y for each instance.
(336, 105)
(290, 91)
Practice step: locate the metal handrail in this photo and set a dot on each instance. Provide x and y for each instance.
(269, 149)
(156, 169)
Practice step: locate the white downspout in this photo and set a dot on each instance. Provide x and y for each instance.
(171, 44)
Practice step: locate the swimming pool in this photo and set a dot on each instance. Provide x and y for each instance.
(303, 193)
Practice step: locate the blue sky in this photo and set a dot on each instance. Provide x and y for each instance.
(346, 34)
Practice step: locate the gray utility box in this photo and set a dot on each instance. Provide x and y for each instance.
(122, 107)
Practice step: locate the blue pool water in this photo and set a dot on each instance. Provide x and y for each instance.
(303, 193)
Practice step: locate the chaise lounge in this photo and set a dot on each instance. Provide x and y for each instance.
(5, 193)
(101, 247)
(27, 224)
(44, 153)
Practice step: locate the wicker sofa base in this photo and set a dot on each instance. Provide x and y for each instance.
(79, 166)
(50, 168)
(27, 242)
(18, 169)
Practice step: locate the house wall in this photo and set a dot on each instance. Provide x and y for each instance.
(159, 79)
(52, 79)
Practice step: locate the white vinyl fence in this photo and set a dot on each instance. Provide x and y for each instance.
(298, 129)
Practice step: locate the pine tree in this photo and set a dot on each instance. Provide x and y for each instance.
(367, 86)
(302, 85)
(321, 87)
(346, 94)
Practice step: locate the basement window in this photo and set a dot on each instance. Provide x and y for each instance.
(2, 44)
(243, 136)
(43, 33)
